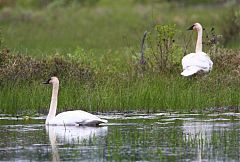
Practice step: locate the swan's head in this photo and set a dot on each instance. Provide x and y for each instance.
(196, 26)
(52, 80)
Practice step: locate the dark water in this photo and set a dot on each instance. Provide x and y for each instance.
(131, 137)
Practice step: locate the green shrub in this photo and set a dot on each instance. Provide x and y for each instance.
(162, 53)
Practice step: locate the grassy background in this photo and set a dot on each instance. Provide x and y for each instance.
(93, 47)
(102, 26)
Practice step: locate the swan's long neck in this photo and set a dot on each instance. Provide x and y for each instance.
(199, 41)
(53, 105)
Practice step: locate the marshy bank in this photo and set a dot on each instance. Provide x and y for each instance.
(117, 85)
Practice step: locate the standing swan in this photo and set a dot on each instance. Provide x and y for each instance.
(77, 117)
(199, 61)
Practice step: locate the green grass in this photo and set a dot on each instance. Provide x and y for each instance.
(149, 93)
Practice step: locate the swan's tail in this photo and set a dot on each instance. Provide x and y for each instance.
(92, 122)
(190, 71)
(103, 121)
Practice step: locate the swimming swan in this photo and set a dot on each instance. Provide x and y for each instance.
(198, 61)
(77, 117)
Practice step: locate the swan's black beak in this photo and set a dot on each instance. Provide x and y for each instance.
(190, 28)
(47, 82)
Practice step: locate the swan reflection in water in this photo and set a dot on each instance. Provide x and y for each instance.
(72, 135)
(197, 130)
(200, 133)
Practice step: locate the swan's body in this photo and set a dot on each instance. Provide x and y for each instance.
(77, 117)
(195, 62)
(198, 61)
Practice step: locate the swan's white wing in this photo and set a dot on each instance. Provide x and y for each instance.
(204, 61)
(77, 117)
(194, 62)
(187, 60)
(190, 71)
